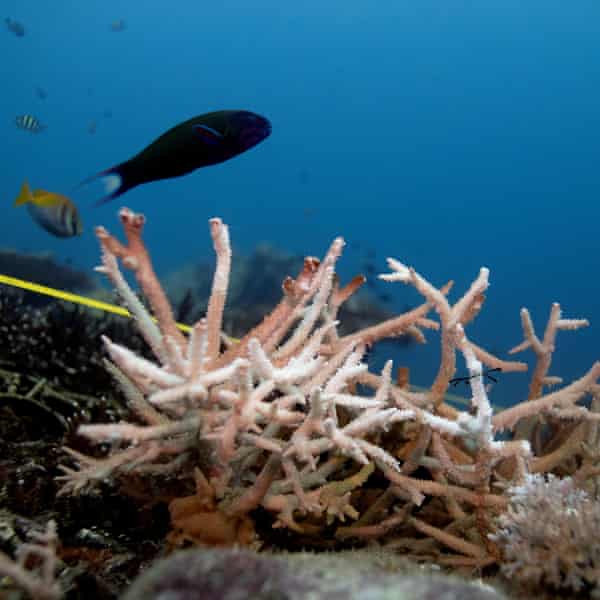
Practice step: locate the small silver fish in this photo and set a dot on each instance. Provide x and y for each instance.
(118, 25)
(54, 212)
(29, 123)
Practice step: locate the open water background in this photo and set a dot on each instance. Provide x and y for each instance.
(449, 135)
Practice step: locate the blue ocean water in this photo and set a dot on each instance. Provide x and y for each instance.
(449, 135)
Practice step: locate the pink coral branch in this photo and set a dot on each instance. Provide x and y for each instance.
(135, 257)
(566, 396)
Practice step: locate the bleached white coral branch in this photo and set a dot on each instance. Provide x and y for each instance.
(138, 366)
(562, 549)
(296, 370)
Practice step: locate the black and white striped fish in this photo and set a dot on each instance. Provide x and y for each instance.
(29, 123)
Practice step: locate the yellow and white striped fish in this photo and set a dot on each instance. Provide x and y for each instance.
(29, 123)
(54, 212)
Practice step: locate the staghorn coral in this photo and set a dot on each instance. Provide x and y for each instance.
(288, 419)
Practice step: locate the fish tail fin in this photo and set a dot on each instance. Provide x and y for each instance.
(115, 182)
(24, 195)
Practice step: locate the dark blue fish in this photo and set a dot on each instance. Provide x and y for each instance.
(40, 92)
(199, 142)
(29, 123)
(15, 27)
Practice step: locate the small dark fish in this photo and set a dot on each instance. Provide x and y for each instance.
(199, 142)
(15, 27)
(54, 212)
(484, 375)
(303, 177)
(92, 127)
(118, 25)
(370, 269)
(40, 92)
(184, 310)
(29, 123)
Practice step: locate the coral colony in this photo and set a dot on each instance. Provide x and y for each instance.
(289, 422)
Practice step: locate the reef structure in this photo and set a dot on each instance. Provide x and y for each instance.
(289, 423)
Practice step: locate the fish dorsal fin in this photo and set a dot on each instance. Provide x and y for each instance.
(208, 134)
(24, 195)
(46, 199)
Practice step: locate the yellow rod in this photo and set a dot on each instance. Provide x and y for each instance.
(76, 298)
